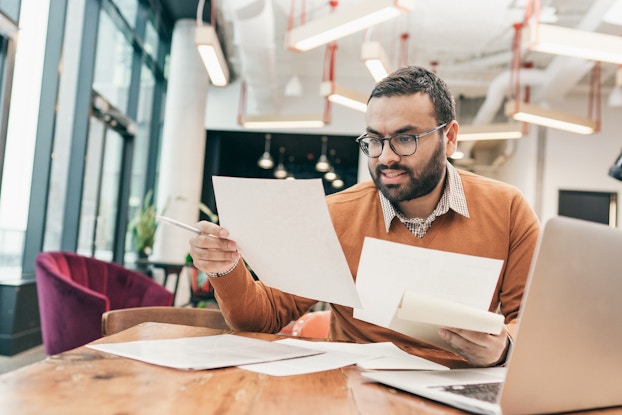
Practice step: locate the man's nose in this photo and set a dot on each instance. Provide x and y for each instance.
(388, 156)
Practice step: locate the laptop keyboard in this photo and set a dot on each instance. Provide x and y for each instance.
(487, 392)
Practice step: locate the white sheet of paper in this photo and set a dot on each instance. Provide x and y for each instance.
(387, 269)
(284, 232)
(428, 309)
(379, 355)
(207, 352)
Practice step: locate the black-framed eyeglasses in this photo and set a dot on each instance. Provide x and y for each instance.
(401, 144)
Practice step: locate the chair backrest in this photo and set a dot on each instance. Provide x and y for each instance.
(115, 321)
(122, 286)
(314, 324)
(74, 291)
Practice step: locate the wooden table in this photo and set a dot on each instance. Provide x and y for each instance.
(85, 381)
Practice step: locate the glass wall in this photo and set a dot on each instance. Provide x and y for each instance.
(142, 141)
(128, 9)
(64, 127)
(21, 131)
(113, 65)
(115, 49)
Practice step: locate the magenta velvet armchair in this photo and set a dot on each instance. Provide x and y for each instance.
(74, 291)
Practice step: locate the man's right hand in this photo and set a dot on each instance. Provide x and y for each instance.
(212, 251)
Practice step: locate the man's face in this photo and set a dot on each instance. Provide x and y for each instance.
(404, 178)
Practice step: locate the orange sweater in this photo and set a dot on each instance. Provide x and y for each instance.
(501, 226)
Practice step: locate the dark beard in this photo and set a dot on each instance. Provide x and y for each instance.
(430, 176)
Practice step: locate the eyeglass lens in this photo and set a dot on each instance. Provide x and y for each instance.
(403, 145)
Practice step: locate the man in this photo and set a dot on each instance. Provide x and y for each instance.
(416, 198)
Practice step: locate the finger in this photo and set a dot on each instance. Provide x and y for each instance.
(476, 337)
(478, 348)
(479, 337)
(210, 228)
(205, 241)
(201, 253)
(457, 340)
(213, 236)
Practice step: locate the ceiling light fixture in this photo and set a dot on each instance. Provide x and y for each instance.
(276, 121)
(280, 172)
(534, 114)
(375, 59)
(344, 96)
(208, 45)
(265, 161)
(330, 175)
(337, 183)
(572, 42)
(336, 93)
(282, 121)
(323, 165)
(349, 20)
(495, 131)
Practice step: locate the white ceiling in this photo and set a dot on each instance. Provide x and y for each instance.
(469, 39)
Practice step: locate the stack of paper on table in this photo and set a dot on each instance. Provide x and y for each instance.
(207, 352)
(280, 358)
(335, 355)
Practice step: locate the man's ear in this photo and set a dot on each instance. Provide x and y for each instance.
(451, 134)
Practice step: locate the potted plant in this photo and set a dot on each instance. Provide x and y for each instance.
(143, 226)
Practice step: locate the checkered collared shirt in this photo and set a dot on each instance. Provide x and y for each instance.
(452, 198)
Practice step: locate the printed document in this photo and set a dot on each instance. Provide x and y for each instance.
(384, 355)
(206, 352)
(393, 278)
(285, 234)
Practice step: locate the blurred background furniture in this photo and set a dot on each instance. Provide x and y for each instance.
(114, 321)
(313, 324)
(201, 291)
(74, 291)
(168, 269)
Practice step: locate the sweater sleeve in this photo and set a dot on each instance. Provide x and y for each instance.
(250, 305)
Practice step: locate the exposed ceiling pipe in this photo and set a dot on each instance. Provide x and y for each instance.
(254, 36)
(561, 75)
(564, 73)
(498, 90)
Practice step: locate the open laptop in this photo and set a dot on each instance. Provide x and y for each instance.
(567, 354)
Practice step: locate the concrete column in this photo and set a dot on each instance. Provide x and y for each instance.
(183, 144)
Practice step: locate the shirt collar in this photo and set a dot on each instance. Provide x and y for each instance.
(453, 194)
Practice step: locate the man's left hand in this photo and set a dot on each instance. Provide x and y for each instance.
(479, 349)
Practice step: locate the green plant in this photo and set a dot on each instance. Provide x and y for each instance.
(143, 225)
(211, 215)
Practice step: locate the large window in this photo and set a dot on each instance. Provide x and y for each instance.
(21, 130)
(128, 9)
(117, 48)
(142, 142)
(113, 66)
(63, 131)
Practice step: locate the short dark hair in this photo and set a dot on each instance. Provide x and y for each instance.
(413, 79)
